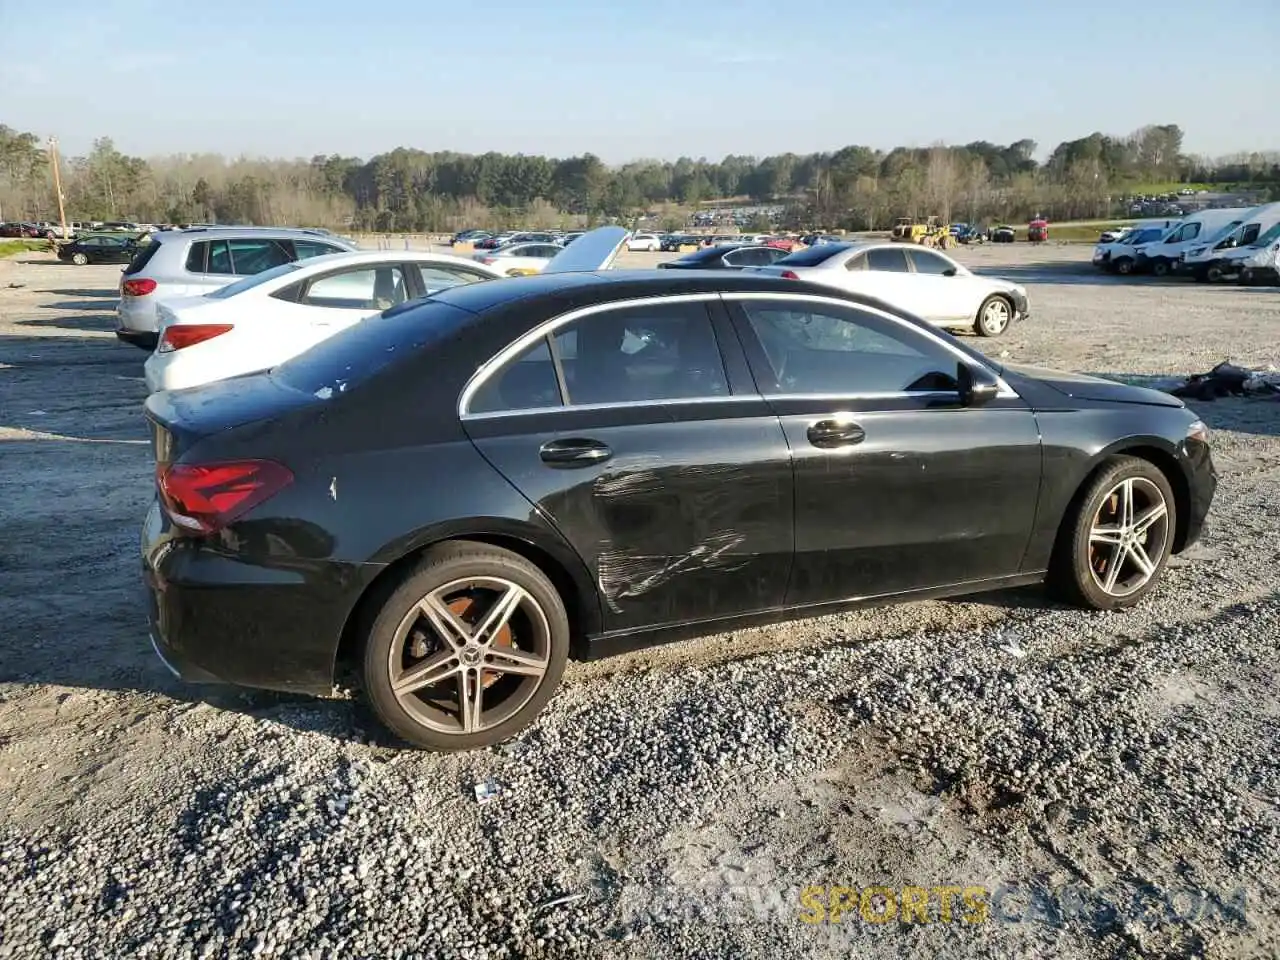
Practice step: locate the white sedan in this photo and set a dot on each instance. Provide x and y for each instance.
(263, 320)
(519, 259)
(649, 242)
(924, 282)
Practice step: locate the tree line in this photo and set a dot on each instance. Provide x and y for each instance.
(408, 190)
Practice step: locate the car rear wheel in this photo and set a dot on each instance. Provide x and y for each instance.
(467, 649)
(79, 259)
(1114, 548)
(993, 316)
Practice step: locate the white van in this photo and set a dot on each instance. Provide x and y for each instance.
(1206, 261)
(1260, 256)
(1163, 256)
(1121, 255)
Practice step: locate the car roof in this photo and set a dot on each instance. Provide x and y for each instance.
(388, 256)
(196, 233)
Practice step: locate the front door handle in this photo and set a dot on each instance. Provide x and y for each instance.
(574, 451)
(836, 433)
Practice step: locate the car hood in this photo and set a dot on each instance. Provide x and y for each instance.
(594, 250)
(1081, 386)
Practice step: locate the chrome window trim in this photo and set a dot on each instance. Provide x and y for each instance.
(1005, 392)
(548, 328)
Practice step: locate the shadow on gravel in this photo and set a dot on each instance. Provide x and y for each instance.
(96, 306)
(81, 292)
(101, 321)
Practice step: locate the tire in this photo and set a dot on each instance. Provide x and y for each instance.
(1213, 273)
(467, 578)
(1160, 268)
(79, 259)
(1123, 266)
(1087, 570)
(994, 316)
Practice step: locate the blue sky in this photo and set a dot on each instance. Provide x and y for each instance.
(627, 79)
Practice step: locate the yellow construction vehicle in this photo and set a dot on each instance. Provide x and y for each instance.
(929, 231)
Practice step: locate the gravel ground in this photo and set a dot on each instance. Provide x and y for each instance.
(1111, 780)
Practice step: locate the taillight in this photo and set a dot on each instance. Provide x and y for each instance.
(789, 275)
(181, 335)
(204, 498)
(138, 288)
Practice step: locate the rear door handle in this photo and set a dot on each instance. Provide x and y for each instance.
(836, 433)
(574, 450)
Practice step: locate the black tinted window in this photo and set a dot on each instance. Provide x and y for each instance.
(196, 256)
(812, 256)
(887, 259)
(823, 349)
(141, 258)
(929, 263)
(253, 256)
(656, 352)
(355, 354)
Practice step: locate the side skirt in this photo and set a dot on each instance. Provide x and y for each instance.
(611, 644)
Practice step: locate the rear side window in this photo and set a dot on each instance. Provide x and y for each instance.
(254, 256)
(888, 260)
(354, 355)
(813, 256)
(141, 258)
(196, 257)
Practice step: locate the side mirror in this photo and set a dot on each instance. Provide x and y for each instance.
(949, 272)
(978, 386)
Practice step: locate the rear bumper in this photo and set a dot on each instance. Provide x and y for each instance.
(245, 618)
(137, 338)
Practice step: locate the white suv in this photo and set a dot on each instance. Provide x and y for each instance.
(189, 263)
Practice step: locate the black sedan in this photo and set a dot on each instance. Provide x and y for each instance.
(99, 249)
(726, 258)
(461, 493)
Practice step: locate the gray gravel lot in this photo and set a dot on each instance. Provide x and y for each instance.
(672, 803)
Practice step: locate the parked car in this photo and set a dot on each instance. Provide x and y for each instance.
(260, 321)
(926, 283)
(186, 263)
(120, 226)
(519, 259)
(469, 236)
(457, 495)
(496, 241)
(1004, 234)
(99, 249)
(672, 242)
(645, 241)
(1122, 255)
(726, 258)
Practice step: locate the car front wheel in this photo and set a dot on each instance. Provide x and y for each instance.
(993, 316)
(79, 259)
(1114, 548)
(467, 649)
(1123, 266)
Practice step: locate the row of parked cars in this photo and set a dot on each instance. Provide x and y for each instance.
(1233, 243)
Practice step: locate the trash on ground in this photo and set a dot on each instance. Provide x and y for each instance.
(1228, 380)
(486, 790)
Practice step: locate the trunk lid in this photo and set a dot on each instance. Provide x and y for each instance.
(178, 419)
(594, 250)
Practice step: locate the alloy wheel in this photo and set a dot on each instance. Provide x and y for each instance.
(1127, 536)
(995, 316)
(469, 655)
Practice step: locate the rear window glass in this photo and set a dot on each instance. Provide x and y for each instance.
(248, 283)
(812, 256)
(357, 353)
(141, 258)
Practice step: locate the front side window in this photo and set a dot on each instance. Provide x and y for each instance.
(823, 349)
(629, 355)
(370, 288)
(306, 249)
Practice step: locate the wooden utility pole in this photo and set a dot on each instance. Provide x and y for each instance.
(57, 183)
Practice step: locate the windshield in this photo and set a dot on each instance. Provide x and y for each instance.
(1143, 236)
(248, 283)
(1267, 237)
(1225, 232)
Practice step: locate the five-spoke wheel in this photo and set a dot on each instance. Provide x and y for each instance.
(1113, 548)
(468, 648)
